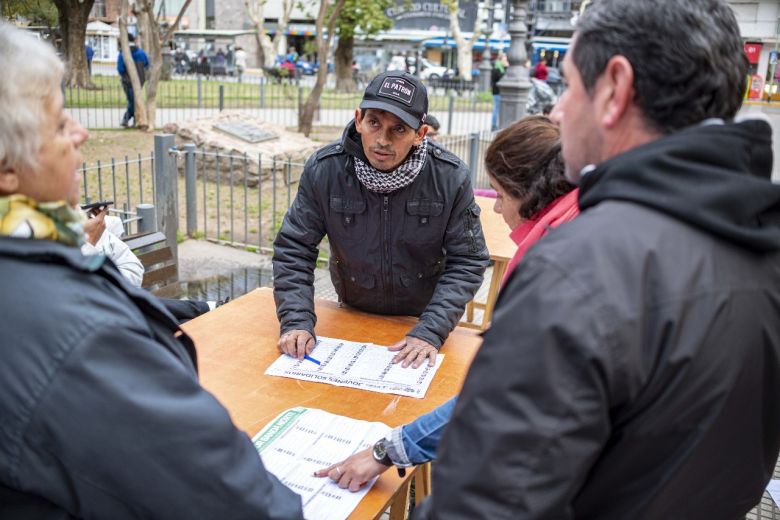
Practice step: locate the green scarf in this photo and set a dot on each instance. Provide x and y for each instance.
(22, 217)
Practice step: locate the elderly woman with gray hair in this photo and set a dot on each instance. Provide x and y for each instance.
(102, 413)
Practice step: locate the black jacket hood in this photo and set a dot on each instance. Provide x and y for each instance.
(715, 177)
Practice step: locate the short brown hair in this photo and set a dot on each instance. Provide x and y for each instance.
(525, 159)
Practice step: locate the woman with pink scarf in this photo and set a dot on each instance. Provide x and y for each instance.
(525, 167)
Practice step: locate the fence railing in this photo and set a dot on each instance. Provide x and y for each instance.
(278, 102)
(228, 198)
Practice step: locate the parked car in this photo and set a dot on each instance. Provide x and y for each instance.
(307, 68)
(432, 71)
(429, 70)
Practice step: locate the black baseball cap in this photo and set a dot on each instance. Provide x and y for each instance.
(399, 93)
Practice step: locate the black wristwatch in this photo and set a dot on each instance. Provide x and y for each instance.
(380, 453)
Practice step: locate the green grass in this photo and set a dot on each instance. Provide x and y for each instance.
(183, 93)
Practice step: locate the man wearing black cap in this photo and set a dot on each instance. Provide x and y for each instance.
(401, 220)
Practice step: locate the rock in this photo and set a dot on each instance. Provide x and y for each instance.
(236, 156)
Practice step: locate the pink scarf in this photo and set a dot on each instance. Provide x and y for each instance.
(559, 211)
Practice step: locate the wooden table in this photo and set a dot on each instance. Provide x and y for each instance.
(501, 249)
(237, 342)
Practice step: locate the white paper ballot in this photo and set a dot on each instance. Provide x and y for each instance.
(301, 441)
(357, 365)
(774, 490)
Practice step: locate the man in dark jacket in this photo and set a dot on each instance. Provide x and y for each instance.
(141, 62)
(633, 366)
(402, 224)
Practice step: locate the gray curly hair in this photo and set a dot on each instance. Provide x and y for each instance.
(31, 75)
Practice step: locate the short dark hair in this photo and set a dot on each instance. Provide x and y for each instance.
(525, 159)
(130, 37)
(432, 121)
(687, 56)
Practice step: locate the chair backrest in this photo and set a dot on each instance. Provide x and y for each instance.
(161, 273)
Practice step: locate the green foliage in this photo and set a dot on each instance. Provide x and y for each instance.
(310, 47)
(485, 97)
(37, 12)
(366, 18)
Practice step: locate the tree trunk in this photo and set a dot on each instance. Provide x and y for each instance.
(269, 56)
(306, 115)
(345, 81)
(132, 73)
(464, 48)
(260, 52)
(155, 67)
(279, 43)
(307, 112)
(146, 106)
(255, 9)
(73, 16)
(280, 39)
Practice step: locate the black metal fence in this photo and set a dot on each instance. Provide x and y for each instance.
(277, 101)
(227, 198)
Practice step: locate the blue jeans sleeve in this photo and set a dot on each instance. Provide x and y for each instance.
(421, 437)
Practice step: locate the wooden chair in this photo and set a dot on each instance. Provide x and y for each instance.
(161, 272)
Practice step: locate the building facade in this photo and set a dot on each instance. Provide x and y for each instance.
(759, 23)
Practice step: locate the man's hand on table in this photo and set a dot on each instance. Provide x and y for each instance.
(413, 351)
(296, 343)
(355, 471)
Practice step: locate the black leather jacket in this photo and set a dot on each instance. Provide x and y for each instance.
(416, 251)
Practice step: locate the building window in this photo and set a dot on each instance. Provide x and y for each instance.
(551, 6)
(211, 19)
(98, 9)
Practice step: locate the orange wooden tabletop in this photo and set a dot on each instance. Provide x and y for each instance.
(496, 231)
(237, 342)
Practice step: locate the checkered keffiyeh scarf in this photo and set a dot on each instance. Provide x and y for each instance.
(387, 182)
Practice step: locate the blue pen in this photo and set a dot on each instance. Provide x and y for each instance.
(311, 359)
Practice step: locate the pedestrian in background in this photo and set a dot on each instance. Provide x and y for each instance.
(90, 53)
(433, 127)
(141, 62)
(240, 57)
(499, 69)
(540, 71)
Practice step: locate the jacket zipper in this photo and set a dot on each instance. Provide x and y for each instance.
(387, 277)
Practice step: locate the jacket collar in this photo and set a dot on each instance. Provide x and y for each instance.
(31, 249)
(713, 177)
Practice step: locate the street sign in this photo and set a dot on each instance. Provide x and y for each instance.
(773, 57)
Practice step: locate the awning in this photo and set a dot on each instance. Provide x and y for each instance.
(211, 33)
(549, 46)
(293, 29)
(98, 27)
(495, 43)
